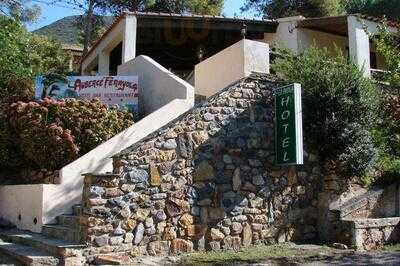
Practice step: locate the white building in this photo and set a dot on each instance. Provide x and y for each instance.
(179, 42)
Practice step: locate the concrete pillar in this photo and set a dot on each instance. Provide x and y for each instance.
(359, 49)
(104, 64)
(129, 38)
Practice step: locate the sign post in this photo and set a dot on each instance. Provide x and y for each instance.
(288, 125)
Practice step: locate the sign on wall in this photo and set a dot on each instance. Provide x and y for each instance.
(112, 90)
(288, 125)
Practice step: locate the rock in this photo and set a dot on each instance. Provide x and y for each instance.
(155, 178)
(195, 211)
(116, 240)
(185, 146)
(258, 180)
(257, 227)
(236, 180)
(236, 228)
(254, 163)
(247, 235)
(149, 222)
(169, 233)
(179, 245)
(186, 220)
(208, 117)
(141, 214)
(97, 201)
(204, 202)
(101, 241)
(216, 214)
(200, 244)
(160, 227)
(125, 212)
(169, 144)
(339, 246)
(249, 187)
(113, 192)
(128, 187)
(160, 216)
(158, 248)
(256, 202)
(96, 191)
(214, 245)
(119, 231)
(139, 233)
(159, 196)
(196, 231)
(129, 224)
(204, 171)
(240, 218)
(199, 137)
(227, 159)
(151, 231)
(176, 207)
(128, 238)
(232, 242)
(138, 175)
(300, 190)
(251, 211)
(225, 230)
(292, 176)
(215, 235)
(111, 259)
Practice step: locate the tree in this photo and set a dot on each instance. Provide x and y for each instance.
(378, 8)
(285, 8)
(317, 8)
(20, 10)
(339, 107)
(23, 56)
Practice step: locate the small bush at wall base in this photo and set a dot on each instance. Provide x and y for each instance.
(49, 134)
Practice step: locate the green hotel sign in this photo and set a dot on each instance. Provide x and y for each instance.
(288, 125)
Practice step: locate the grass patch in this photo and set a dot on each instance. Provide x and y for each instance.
(392, 247)
(250, 255)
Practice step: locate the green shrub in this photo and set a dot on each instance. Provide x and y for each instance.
(339, 107)
(23, 56)
(49, 134)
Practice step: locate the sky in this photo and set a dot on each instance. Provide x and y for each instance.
(50, 14)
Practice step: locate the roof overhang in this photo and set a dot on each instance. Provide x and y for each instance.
(196, 23)
(335, 25)
(338, 25)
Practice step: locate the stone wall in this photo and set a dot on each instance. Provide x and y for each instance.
(370, 234)
(205, 181)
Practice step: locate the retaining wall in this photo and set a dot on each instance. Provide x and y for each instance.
(205, 181)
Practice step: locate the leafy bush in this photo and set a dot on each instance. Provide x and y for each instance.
(49, 134)
(339, 107)
(23, 56)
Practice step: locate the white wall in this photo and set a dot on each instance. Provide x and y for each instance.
(307, 38)
(230, 65)
(157, 85)
(24, 200)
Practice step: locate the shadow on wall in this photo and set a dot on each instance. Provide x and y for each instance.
(208, 181)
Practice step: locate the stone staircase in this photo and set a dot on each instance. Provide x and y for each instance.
(58, 244)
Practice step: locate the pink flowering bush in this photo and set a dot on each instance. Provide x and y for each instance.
(49, 134)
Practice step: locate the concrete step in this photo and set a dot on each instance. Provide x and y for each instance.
(62, 232)
(71, 221)
(77, 210)
(27, 255)
(57, 247)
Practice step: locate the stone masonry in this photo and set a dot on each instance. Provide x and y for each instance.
(206, 181)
